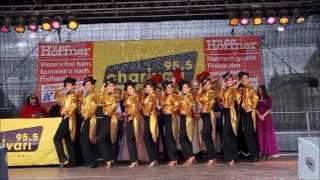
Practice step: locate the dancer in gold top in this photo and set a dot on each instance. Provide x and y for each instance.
(107, 127)
(206, 99)
(169, 103)
(187, 123)
(230, 98)
(247, 119)
(88, 101)
(132, 107)
(151, 130)
(67, 98)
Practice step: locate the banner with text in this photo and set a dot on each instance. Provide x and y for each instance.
(57, 61)
(233, 54)
(133, 60)
(29, 141)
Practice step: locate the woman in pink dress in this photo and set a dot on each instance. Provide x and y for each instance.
(265, 130)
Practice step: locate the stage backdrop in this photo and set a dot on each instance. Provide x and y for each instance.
(132, 60)
(29, 141)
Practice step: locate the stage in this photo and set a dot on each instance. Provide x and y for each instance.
(284, 168)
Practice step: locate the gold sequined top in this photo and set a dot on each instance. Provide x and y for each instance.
(186, 102)
(169, 103)
(206, 99)
(249, 98)
(229, 96)
(67, 102)
(88, 104)
(131, 105)
(149, 104)
(109, 102)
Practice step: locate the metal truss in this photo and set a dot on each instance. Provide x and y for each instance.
(134, 10)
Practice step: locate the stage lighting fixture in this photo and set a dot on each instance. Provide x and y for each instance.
(298, 17)
(19, 27)
(5, 24)
(33, 24)
(57, 22)
(245, 18)
(233, 19)
(46, 24)
(73, 24)
(271, 17)
(257, 18)
(284, 18)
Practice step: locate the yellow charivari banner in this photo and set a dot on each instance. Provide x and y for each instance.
(132, 60)
(29, 141)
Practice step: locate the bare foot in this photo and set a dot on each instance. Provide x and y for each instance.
(211, 163)
(232, 162)
(172, 163)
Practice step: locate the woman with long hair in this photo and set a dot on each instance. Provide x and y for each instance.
(266, 134)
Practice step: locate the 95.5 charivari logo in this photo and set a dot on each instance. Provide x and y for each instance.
(22, 140)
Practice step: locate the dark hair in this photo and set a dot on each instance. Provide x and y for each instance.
(183, 82)
(28, 101)
(151, 83)
(166, 83)
(129, 83)
(264, 91)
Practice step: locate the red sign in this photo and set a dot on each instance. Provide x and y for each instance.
(58, 61)
(234, 54)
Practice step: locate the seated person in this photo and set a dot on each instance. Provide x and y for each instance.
(32, 109)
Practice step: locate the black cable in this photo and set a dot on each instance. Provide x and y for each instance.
(25, 58)
(278, 57)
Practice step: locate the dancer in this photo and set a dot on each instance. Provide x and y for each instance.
(107, 127)
(206, 99)
(169, 104)
(88, 104)
(151, 130)
(187, 123)
(230, 99)
(247, 115)
(133, 122)
(67, 98)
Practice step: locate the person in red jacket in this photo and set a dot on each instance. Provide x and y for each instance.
(32, 108)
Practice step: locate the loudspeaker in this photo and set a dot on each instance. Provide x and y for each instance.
(3, 163)
(313, 82)
(309, 160)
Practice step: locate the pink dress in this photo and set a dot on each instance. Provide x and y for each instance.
(265, 130)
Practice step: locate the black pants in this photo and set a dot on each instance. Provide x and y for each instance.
(229, 138)
(169, 137)
(104, 138)
(150, 144)
(207, 135)
(63, 132)
(246, 130)
(87, 147)
(131, 141)
(161, 122)
(185, 143)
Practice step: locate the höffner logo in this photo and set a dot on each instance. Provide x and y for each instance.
(229, 44)
(22, 140)
(63, 50)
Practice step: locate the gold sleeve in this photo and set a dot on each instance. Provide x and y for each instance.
(255, 99)
(58, 97)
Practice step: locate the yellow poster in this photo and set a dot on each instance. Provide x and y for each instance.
(132, 60)
(29, 141)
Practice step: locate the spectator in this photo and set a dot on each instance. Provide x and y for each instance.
(32, 109)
